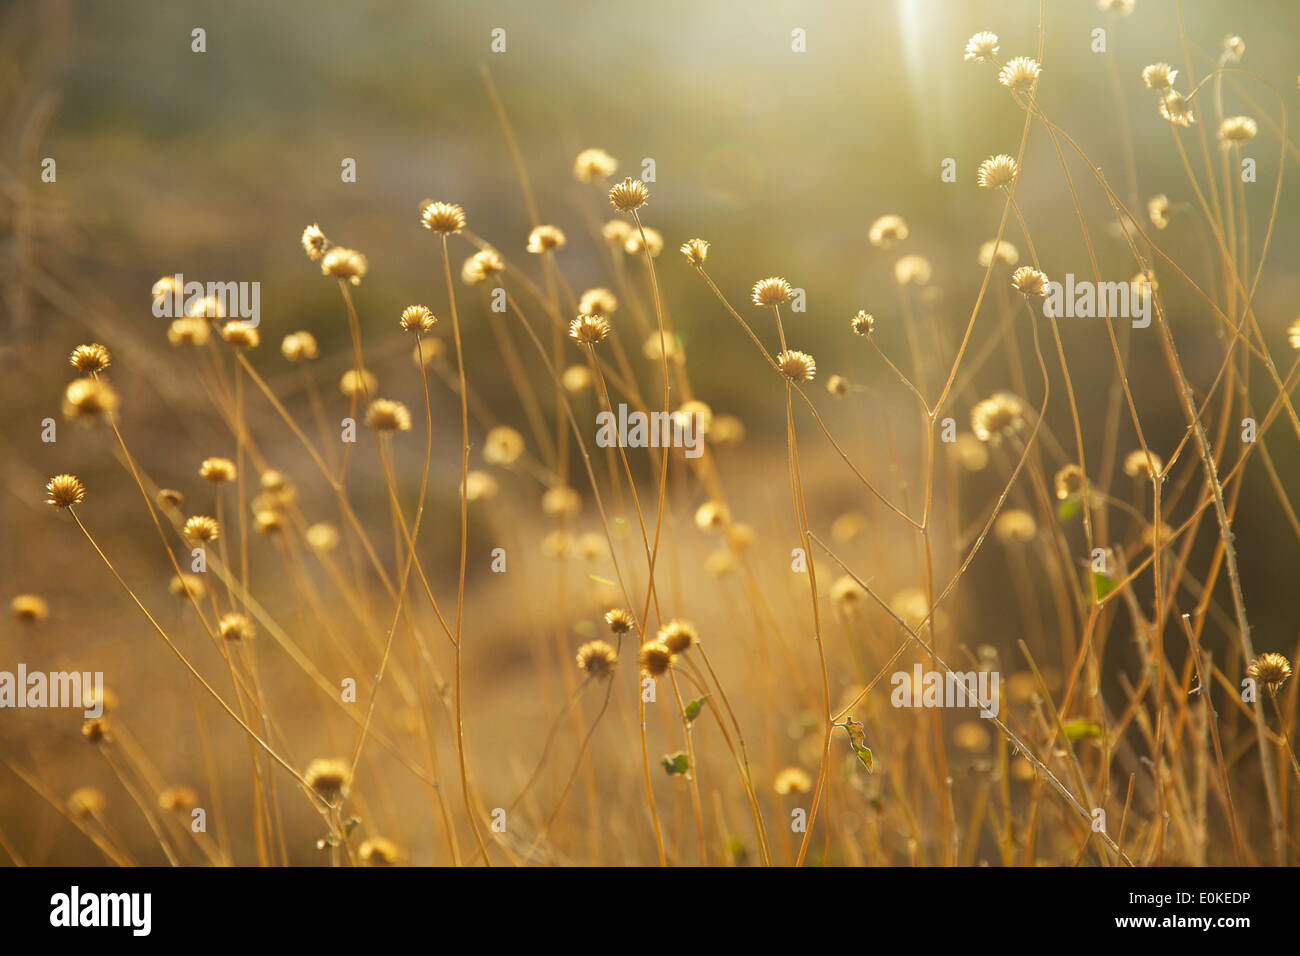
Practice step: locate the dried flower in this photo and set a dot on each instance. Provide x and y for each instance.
(1029, 281)
(616, 231)
(1234, 48)
(1138, 465)
(628, 195)
(65, 491)
(267, 521)
(87, 400)
(886, 231)
(837, 385)
(1015, 525)
(982, 47)
(330, 777)
(588, 329)
(599, 301)
(297, 346)
(1159, 76)
(201, 528)
(619, 620)
(187, 586)
(695, 251)
(239, 335)
(1068, 482)
(30, 608)
(217, 470)
(1158, 210)
(997, 172)
(1177, 109)
(912, 270)
(322, 537)
(793, 779)
(378, 851)
(797, 366)
(1020, 73)
(502, 446)
(544, 239)
(593, 164)
(1119, 7)
(235, 627)
(771, 291)
(597, 659)
(89, 358)
(346, 264)
(643, 239)
(1293, 334)
(847, 595)
(178, 799)
(86, 802)
(386, 415)
(1000, 414)
(443, 218)
(678, 636)
(655, 658)
(1238, 129)
(1270, 669)
(188, 331)
(561, 500)
(863, 323)
(482, 266)
(998, 251)
(314, 242)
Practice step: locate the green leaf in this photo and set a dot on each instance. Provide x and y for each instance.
(864, 754)
(1103, 585)
(1068, 508)
(1081, 727)
(693, 709)
(677, 763)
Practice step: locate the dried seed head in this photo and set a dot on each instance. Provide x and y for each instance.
(792, 780)
(86, 802)
(178, 799)
(346, 264)
(201, 528)
(695, 414)
(1020, 73)
(1159, 76)
(208, 307)
(217, 470)
(169, 499)
(378, 851)
(771, 291)
(87, 400)
(386, 415)
(95, 730)
(999, 415)
(417, 318)
(239, 335)
(837, 385)
(1177, 109)
(695, 251)
(330, 777)
(322, 537)
(982, 47)
(188, 331)
(187, 586)
(593, 164)
(1234, 47)
(998, 251)
(164, 287)
(655, 658)
(997, 172)
(268, 522)
(1270, 669)
(616, 231)
(1237, 129)
(65, 491)
(863, 323)
(351, 383)
(443, 218)
(1015, 526)
(314, 242)
(90, 358)
(619, 620)
(297, 346)
(29, 608)
(654, 348)
(1068, 482)
(1158, 210)
(797, 366)
(886, 231)
(482, 266)
(598, 301)
(561, 500)
(628, 195)
(544, 239)
(653, 241)
(1029, 281)
(480, 486)
(235, 627)
(588, 329)
(678, 636)
(597, 659)
(1137, 464)
(848, 595)
(912, 270)
(712, 516)
(502, 446)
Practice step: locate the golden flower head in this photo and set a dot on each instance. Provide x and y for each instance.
(187, 586)
(847, 595)
(1015, 526)
(502, 446)
(351, 383)
(712, 516)
(912, 270)
(1238, 129)
(322, 537)
(386, 415)
(644, 239)
(188, 331)
(240, 335)
(178, 799)
(971, 736)
(544, 239)
(201, 528)
(619, 620)
(792, 780)
(1029, 281)
(886, 231)
(695, 251)
(695, 414)
(1177, 109)
(678, 636)
(346, 264)
(1020, 73)
(1068, 482)
(235, 627)
(863, 323)
(628, 195)
(1158, 210)
(330, 777)
(268, 521)
(378, 851)
(297, 346)
(1270, 669)
(217, 470)
(588, 329)
(597, 659)
(86, 802)
(1159, 76)
(273, 480)
(997, 172)
(561, 500)
(314, 242)
(208, 307)
(87, 400)
(837, 385)
(616, 231)
(89, 358)
(1000, 414)
(480, 486)
(797, 366)
(417, 318)
(998, 251)
(982, 47)
(593, 164)
(1234, 47)
(598, 301)
(30, 608)
(481, 266)
(65, 491)
(771, 291)
(655, 658)
(443, 218)
(95, 730)
(1137, 465)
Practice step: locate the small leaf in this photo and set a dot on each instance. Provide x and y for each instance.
(864, 754)
(1081, 727)
(1068, 508)
(1103, 585)
(693, 709)
(677, 763)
